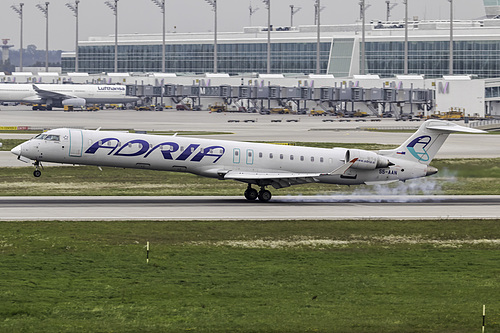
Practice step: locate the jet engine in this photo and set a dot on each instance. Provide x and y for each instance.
(75, 102)
(366, 160)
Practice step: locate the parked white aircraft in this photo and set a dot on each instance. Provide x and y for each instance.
(59, 95)
(252, 163)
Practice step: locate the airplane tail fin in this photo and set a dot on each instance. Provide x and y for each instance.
(423, 145)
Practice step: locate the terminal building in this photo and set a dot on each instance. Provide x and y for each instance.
(476, 45)
(293, 50)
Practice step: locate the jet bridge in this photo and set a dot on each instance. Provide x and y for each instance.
(344, 99)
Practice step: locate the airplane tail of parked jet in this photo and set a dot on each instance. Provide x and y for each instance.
(424, 144)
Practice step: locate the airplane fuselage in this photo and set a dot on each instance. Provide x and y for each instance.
(91, 93)
(207, 157)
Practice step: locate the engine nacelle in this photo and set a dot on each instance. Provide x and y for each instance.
(75, 102)
(366, 160)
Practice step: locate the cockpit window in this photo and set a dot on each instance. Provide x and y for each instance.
(47, 137)
(52, 137)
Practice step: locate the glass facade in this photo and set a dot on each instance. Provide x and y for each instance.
(385, 58)
(198, 58)
(431, 58)
(341, 57)
(492, 2)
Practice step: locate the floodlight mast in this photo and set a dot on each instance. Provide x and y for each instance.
(405, 2)
(318, 42)
(161, 5)
(213, 3)
(114, 8)
(252, 11)
(451, 37)
(268, 6)
(316, 11)
(45, 11)
(390, 6)
(293, 11)
(363, 54)
(74, 9)
(19, 11)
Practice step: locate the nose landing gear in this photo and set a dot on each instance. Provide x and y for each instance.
(252, 194)
(37, 173)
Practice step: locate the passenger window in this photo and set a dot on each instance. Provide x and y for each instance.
(321, 159)
(291, 157)
(270, 155)
(236, 152)
(312, 158)
(281, 156)
(260, 155)
(302, 158)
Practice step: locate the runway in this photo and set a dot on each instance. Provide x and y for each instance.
(201, 208)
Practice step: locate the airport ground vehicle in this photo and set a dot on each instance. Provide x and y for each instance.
(315, 112)
(94, 107)
(218, 108)
(280, 111)
(41, 107)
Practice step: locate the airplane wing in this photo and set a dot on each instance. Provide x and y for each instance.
(277, 180)
(46, 94)
(283, 179)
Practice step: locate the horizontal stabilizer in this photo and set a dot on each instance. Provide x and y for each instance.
(446, 126)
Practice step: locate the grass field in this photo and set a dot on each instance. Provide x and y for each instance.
(294, 276)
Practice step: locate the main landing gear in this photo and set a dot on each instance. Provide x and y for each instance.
(252, 194)
(37, 173)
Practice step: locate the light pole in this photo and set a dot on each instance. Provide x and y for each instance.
(268, 6)
(213, 3)
(45, 11)
(362, 11)
(451, 38)
(252, 11)
(19, 11)
(316, 13)
(74, 9)
(161, 4)
(390, 6)
(114, 8)
(406, 38)
(318, 44)
(293, 11)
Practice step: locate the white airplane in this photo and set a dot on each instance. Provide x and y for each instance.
(59, 95)
(252, 163)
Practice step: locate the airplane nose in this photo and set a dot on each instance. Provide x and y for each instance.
(431, 171)
(16, 150)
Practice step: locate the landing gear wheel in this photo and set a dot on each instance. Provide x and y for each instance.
(37, 173)
(251, 194)
(264, 195)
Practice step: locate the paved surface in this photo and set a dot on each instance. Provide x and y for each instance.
(236, 208)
